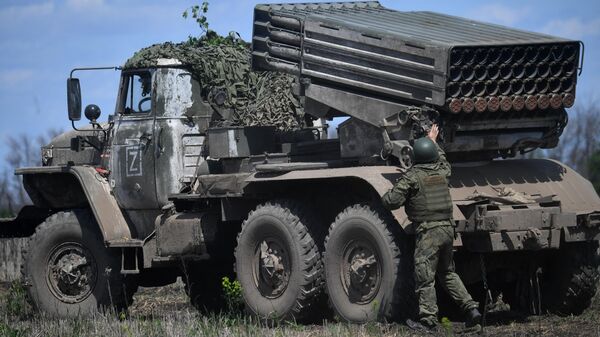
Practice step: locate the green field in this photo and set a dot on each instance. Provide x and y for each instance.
(165, 312)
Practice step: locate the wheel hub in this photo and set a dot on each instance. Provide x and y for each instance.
(361, 272)
(71, 272)
(272, 271)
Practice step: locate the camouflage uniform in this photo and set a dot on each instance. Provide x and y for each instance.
(424, 192)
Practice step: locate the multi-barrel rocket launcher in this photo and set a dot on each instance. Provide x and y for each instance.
(495, 91)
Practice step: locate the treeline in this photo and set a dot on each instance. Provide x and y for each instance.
(579, 145)
(23, 151)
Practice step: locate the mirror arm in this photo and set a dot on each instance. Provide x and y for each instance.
(93, 68)
(95, 125)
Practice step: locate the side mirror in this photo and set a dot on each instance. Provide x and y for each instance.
(74, 99)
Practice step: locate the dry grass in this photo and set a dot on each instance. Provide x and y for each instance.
(165, 312)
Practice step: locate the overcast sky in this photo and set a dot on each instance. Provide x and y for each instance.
(41, 41)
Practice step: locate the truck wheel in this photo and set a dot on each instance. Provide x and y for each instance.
(70, 272)
(571, 280)
(362, 263)
(278, 263)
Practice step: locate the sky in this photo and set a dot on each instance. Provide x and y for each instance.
(41, 41)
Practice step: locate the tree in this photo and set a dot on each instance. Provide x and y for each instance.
(24, 151)
(594, 170)
(581, 138)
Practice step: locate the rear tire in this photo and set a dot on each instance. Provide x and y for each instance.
(278, 263)
(70, 272)
(362, 265)
(571, 280)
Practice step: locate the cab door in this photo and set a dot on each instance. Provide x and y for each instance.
(132, 162)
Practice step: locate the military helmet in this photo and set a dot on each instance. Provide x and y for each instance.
(425, 151)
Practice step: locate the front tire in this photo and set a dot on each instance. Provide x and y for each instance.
(278, 263)
(362, 264)
(70, 272)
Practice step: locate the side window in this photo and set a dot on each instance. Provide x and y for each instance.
(139, 91)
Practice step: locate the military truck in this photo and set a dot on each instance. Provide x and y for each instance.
(161, 191)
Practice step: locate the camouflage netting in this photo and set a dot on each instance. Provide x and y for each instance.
(256, 98)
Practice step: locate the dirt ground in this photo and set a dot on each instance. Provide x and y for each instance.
(165, 312)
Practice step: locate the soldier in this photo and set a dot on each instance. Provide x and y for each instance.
(424, 192)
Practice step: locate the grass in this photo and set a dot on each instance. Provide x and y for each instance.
(165, 312)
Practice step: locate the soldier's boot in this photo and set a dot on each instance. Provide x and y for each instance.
(473, 317)
(422, 326)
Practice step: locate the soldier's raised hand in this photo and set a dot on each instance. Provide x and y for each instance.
(433, 132)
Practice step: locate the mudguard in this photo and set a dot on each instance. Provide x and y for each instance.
(107, 212)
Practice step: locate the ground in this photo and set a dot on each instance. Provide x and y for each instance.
(165, 312)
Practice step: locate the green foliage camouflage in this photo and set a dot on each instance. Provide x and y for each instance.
(217, 62)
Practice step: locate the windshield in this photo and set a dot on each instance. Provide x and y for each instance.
(138, 95)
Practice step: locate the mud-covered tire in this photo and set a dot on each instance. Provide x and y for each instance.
(358, 232)
(280, 231)
(94, 284)
(571, 281)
